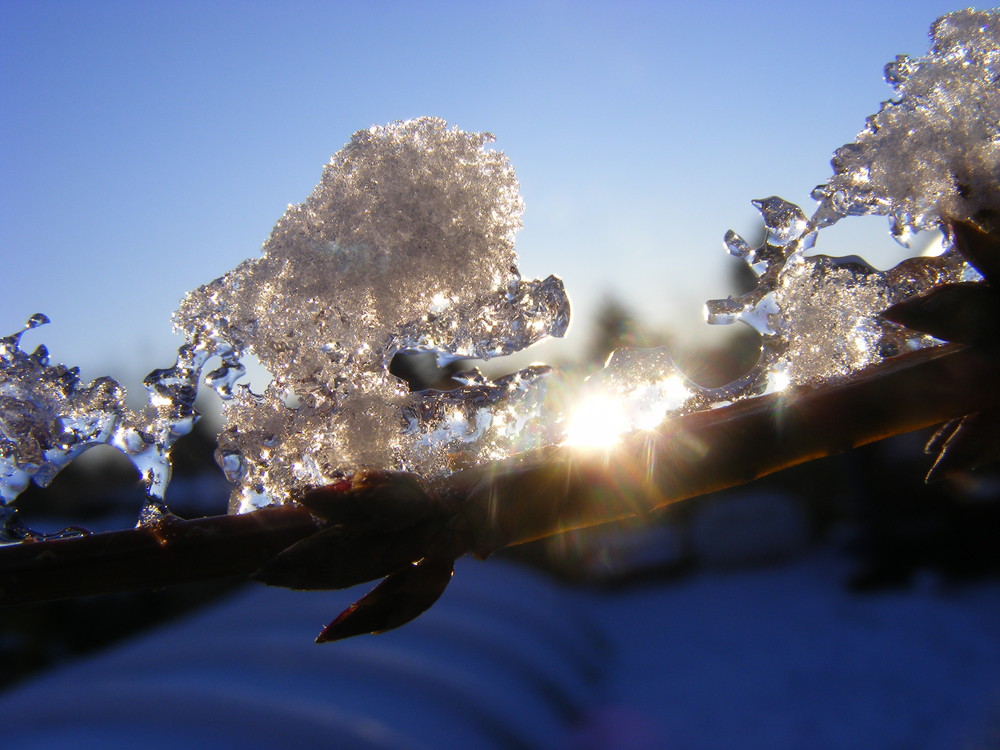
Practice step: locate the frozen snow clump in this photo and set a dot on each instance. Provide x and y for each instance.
(48, 417)
(406, 244)
(933, 151)
(929, 156)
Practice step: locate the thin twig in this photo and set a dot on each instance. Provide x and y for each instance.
(563, 489)
(548, 491)
(171, 551)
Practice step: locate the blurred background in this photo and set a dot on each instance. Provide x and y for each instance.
(148, 149)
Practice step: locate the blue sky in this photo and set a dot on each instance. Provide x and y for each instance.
(148, 148)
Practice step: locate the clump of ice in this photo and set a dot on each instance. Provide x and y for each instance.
(636, 390)
(930, 155)
(818, 315)
(407, 243)
(933, 151)
(48, 417)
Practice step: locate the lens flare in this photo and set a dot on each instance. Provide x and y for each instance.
(596, 422)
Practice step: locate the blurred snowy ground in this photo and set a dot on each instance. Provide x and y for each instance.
(786, 657)
(774, 657)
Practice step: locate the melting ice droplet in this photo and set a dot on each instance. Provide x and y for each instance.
(406, 244)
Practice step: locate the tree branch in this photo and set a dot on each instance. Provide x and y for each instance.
(171, 551)
(544, 492)
(562, 488)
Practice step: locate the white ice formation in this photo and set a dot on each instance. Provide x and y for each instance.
(930, 155)
(933, 151)
(406, 245)
(48, 417)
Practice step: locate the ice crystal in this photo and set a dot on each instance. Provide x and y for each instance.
(48, 416)
(405, 244)
(933, 151)
(636, 390)
(818, 316)
(929, 156)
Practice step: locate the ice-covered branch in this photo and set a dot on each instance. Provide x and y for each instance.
(406, 245)
(542, 493)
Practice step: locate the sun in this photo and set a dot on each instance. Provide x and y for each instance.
(597, 422)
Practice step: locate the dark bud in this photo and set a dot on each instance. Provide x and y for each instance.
(342, 556)
(400, 598)
(379, 499)
(981, 249)
(973, 443)
(966, 313)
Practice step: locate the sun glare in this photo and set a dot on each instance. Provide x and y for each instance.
(597, 422)
(779, 380)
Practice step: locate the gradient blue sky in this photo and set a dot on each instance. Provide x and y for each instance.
(149, 147)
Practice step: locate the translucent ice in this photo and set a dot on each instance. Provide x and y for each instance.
(933, 151)
(48, 417)
(929, 156)
(818, 315)
(405, 244)
(636, 390)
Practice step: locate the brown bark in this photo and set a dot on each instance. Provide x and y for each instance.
(548, 491)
